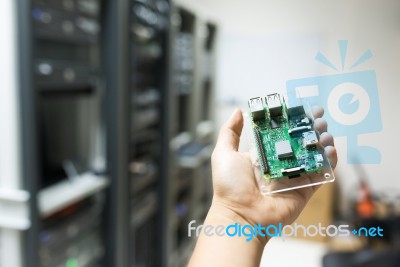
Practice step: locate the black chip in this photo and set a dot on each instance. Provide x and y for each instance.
(296, 111)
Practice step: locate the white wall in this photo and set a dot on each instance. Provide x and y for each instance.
(264, 43)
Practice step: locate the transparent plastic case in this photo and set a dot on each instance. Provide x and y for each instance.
(304, 176)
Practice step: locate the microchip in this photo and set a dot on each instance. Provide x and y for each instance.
(283, 149)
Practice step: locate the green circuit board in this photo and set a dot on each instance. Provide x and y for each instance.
(285, 138)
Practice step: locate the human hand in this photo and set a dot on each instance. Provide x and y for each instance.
(236, 192)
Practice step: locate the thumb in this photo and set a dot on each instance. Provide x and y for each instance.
(229, 135)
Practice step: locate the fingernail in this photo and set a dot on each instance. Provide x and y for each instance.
(234, 113)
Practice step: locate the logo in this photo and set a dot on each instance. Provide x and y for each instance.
(350, 99)
(279, 230)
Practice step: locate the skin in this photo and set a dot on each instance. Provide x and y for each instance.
(237, 199)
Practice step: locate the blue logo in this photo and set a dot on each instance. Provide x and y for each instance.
(279, 230)
(368, 232)
(350, 100)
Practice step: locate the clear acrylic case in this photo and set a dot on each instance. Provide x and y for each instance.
(268, 185)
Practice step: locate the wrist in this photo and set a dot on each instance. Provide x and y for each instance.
(223, 214)
(226, 249)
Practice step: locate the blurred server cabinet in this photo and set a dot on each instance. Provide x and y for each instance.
(107, 131)
(148, 91)
(193, 42)
(56, 174)
(68, 83)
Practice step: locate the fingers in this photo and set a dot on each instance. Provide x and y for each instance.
(320, 125)
(326, 139)
(229, 135)
(317, 111)
(330, 153)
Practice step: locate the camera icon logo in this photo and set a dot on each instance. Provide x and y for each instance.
(350, 100)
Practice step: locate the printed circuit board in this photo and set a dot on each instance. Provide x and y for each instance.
(286, 141)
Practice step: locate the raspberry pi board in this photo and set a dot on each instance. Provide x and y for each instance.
(287, 143)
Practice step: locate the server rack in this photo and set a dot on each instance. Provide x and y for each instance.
(182, 86)
(137, 56)
(192, 132)
(46, 198)
(132, 197)
(147, 96)
(53, 200)
(68, 83)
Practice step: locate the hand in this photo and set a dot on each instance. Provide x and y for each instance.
(236, 192)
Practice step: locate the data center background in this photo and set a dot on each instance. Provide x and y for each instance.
(114, 103)
(109, 110)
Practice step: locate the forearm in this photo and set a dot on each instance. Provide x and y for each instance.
(225, 250)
